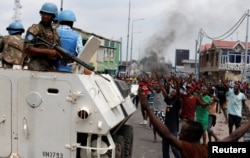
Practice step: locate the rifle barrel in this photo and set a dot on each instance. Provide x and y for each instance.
(66, 54)
(72, 57)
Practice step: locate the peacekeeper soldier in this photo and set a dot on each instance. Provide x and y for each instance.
(41, 57)
(11, 47)
(70, 40)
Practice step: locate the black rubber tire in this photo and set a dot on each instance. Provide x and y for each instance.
(119, 147)
(127, 132)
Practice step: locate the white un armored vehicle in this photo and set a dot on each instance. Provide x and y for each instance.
(63, 115)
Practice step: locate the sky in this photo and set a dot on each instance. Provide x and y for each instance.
(159, 26)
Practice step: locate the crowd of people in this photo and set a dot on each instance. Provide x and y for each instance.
(183, 111)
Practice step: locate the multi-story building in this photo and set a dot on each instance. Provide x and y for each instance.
(228, 56)
(180, 55)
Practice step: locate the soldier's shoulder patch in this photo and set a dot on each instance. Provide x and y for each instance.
(30, 36)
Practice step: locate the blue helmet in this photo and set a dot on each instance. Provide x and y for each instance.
(55, 20)
(66, 15)
(50, 8)
(15, 27)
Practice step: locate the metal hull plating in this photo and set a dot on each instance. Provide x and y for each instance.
(53, 114)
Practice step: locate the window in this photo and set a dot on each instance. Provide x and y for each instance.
(109, 53)
(248, 58)
(224, 58)
(192, 65)
(234, 57)
(105, 54)
(100, 55)
(112, 55)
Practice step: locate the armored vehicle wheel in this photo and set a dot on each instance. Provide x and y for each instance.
(119, 147)
(127, 132)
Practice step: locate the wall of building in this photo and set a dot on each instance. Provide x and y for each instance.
(106, 58)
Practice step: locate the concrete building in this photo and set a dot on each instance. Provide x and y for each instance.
(180, 55)
(228, 56)
(106, 59)
(188, 66)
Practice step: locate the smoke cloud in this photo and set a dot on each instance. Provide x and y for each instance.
(181, 21)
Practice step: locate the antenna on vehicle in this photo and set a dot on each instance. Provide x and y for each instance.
(61, 5)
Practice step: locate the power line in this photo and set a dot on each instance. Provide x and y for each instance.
(229, 32)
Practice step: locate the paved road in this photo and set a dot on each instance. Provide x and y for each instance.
(145, 147)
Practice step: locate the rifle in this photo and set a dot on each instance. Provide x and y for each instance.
(66, 56)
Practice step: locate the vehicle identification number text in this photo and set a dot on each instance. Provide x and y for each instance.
(52, 154)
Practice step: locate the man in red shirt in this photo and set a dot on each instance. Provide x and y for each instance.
(189, 103)
(145, 86)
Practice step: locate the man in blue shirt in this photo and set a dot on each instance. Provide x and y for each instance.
(69, 39)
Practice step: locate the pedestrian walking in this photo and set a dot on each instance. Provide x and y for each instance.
(212, 116)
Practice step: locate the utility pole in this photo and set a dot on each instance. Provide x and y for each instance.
(200, 37)
(128, 32)
(17, 12)
(132, 35)
(120, 52)
(246, 50)
(196, 63)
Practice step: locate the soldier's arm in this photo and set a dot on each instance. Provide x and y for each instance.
(30, 42)
(33, 51)
(1, 43)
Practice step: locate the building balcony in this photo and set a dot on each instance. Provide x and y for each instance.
(233, 66)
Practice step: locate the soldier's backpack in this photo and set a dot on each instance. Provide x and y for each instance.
(13, 50)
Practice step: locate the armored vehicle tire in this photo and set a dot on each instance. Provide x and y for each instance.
(127, 132)
(119, 147)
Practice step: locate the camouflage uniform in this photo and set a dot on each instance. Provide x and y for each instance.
(40, 62)
(11, 48)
